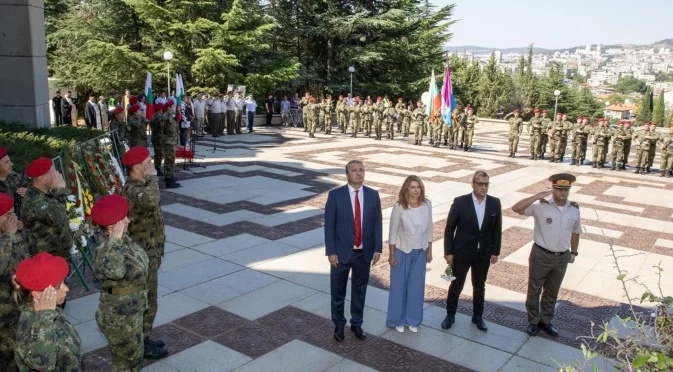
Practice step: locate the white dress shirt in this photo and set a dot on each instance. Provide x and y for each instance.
(250, 105)
(160, 100)
(411, 228)
(480, 209)
(361, 198)
(199, 107)
(554, 225)
(240, 103)
(229, 104)
(217, 107)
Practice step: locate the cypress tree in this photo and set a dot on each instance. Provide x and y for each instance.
(659, 114)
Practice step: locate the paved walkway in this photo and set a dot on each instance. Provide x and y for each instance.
(244, 284)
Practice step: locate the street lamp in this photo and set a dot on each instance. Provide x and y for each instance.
(557, 93)
(351, 70)
(168, 55)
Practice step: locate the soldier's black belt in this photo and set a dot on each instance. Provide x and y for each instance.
(127, 290)
(548, 251)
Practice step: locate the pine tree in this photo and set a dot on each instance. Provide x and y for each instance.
(465, 79)
(494, 89)
(659, 114)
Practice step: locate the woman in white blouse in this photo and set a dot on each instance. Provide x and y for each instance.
(410, 243)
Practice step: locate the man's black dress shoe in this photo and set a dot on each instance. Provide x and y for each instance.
(532, 330)
(339, 334)
(448, 322)
(549, 328)
(480, 323)
(359, 333)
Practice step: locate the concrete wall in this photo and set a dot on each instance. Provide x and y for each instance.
(24, 95)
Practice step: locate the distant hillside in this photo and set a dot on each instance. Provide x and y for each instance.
(666, 43)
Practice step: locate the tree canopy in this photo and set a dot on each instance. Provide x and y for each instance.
(629, 84)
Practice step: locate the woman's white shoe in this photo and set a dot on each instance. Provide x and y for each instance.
(413, 329)
(400, 329)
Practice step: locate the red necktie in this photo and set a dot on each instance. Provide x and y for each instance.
(358, 221)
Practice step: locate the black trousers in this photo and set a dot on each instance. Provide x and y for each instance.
(339, 283)
(231, 116)
(479, 265)
(58, 119)
(269, 116)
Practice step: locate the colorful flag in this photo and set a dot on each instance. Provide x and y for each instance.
(149, 97)
(435, 102)
(179, 89)
(448, 98)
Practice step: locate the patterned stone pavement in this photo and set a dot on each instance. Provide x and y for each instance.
(244, 284)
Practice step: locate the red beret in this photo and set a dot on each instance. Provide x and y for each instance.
(135, 155)
(117, 110)
(6, 203)
(169, 104)
(41, 271)
(39, 167)
(109, 210)
(134, 108)
(312, 99)
(3, 152)
(400, 99)
(516, 110)
(559, 114)
(378, 98)
(158, 106)
(133, 100)
(537, 110)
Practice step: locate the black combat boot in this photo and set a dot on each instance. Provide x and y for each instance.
(446, 143)
(432, 141)
(647, 169)
(572, 161)
(668, 174)
(551, 160)
(613, 167)
(466, 148)
(532, 157)
(663, 173)
(171, 184)
(637, 170)
(594, 165)
(154, 352)
(157, 343)
(620, 167)
(160, 173)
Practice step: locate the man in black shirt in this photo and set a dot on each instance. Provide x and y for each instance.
(269, 109)
(56, 107)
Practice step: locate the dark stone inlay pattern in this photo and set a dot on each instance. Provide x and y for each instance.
(384, 355)
(210, 322)
(292, 321)
(252, 340)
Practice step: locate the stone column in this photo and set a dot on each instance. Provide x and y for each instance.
(24, 94)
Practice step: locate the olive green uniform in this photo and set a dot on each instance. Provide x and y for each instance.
(46, 222)
(156, 125)
(12, 251)
(418, 118)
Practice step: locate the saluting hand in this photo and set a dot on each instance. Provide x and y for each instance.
(117, 230)
(11, 225)
(543, 194)
(46, 300)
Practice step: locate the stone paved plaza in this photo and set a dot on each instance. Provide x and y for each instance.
(244, 284)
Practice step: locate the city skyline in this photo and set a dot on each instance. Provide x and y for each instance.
(581, 23)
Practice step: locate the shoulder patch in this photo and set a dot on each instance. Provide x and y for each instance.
(544, 201)
(574, 204)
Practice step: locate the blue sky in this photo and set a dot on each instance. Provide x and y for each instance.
(559, 24)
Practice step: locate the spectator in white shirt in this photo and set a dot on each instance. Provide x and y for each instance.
(250, 108)
(410, 244)
(231, 111)
(209, 112)
(240, 109)
(161, 99)
(284, 109)
(217, 112)
(199, 107)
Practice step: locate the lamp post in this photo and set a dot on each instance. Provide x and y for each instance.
(168, 55)
(351, 70)
(557, 93)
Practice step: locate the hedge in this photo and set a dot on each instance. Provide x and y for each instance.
(25, 144)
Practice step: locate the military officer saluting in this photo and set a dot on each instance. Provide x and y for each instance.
(515, 129)
(146, 228)
(43, 210)
(556, 240)
(137, 127)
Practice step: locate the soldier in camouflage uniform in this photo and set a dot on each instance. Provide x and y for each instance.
(535, 122)
(436, 124)
(389, 120)
(122, 267)
(470, 121)
(356, 116)
(567, 129)
(377, 117)
(320, 113)
(156, 125)
(645, 139)
(11, 183)
(399, 108)
(454, 129)
(137, 126)
(601, 139)
(312, 112)
(618, 146)
(169, 138)
(515, 129)
(328, 109)
(666, 163)
(45, 339)
(653, 149)
(44, 210)
(544, 133)
(366, 117)
(418, 120)
(405, 119)
(12, 251)
(119, 127)
(579, 142)
(146, 228)
(303, 103)
(555, 134)
(627, 142)
(341, 113)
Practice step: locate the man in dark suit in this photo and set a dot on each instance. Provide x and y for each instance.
(353, 241)
(56, 107)
(91, 113)
(472, 241)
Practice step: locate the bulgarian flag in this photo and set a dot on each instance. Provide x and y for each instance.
(179, 89)
(435, 102)
(149, 97)
(448, 98)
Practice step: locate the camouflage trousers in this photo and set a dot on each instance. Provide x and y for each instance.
(560, 148)
(406, 126)
(579, 143)
(418, 131)
(321, 119)
(328, 124)
(554, 142)
(341, 118)
(469, 133)
(152, 288)
(308, 123)
(535, 141)
(390, 129)
(436, 133)
(544, 140)
(513, 142)
(158, 150)
(598, 153)
(313, 125)
(461, 135)
(617, 154)
(355, 125)
(564, 144)
(169, 159)
(642, 158)
(125, 334)
(7, 343)
(378, 127)
(198, 124)
(650, 159)
(445, 133)
(367, 126)
(453, 136)
(666, 162)
(627, 151)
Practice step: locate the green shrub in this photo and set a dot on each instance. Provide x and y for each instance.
(25, 144)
